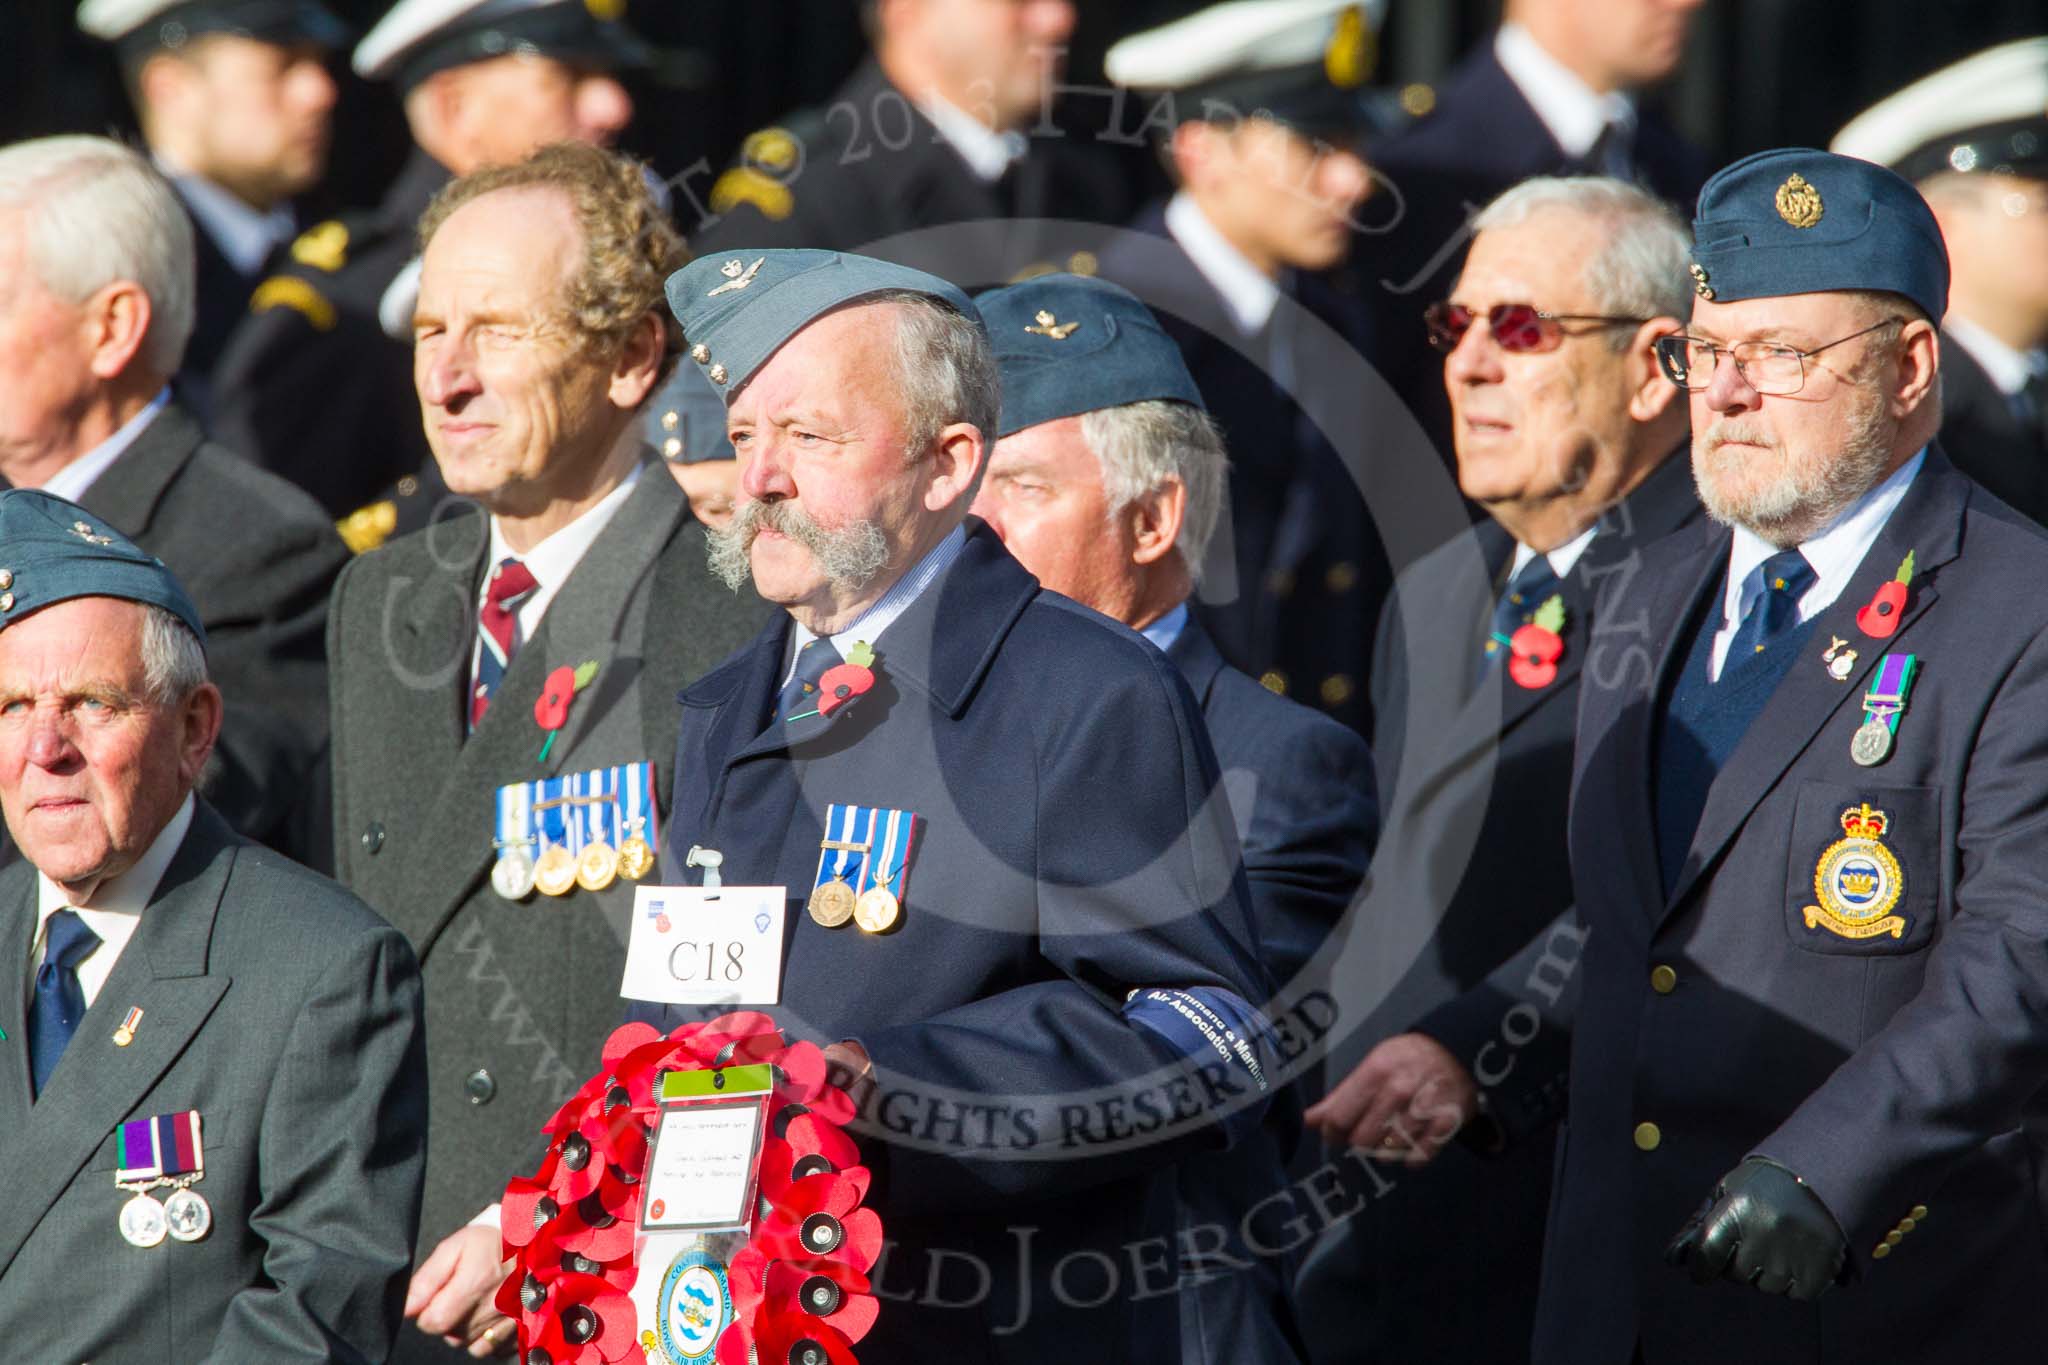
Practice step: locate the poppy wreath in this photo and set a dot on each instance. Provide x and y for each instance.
(799, 1286)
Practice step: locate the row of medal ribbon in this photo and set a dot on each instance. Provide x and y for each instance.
(861, 861)
(579, 829)
(158, 1152)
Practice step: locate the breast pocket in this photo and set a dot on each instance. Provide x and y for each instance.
(1864, 877)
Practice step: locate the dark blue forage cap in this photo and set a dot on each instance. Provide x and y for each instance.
(737, 309)
(52, 551)
(1800, 221)
(1067, 344)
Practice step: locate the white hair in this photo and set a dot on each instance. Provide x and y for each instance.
(173, 662)
(95, 212)
(1142, 446)
(1641, 271)
(945, 368)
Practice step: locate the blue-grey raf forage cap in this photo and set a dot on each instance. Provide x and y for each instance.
(1067, 344)
(1801, 221)
(737, 310)
(52, 551)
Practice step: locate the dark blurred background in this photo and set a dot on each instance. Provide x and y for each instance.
(1760, 73)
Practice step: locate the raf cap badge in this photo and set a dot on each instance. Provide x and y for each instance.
(1858, 880)
(1799, 202)
(1050, 326)
(738, 275)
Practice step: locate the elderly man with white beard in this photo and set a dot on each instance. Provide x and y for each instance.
(1806, 1050)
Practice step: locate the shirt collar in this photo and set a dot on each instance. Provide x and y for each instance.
(554, 559)
(870, 624)
(987, 153)
(2007, 368)
(1835, 553)
(1163, 632)
(1563, 559)
(72, 481)
(1249, 293)
(244, 235)
(1573, 112)
(131, 892)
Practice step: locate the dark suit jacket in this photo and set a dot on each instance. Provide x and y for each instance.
(1986, 440)
(1482, 137)
(1070, 853)
(308, 385)
(258, 558)
(1474, 863)
(1891, 1073)
(870, 165)
(288, 1015)
(521, 996)
(1297, 573)
(1301, 792)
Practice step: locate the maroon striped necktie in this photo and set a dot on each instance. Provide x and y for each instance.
(498, 628)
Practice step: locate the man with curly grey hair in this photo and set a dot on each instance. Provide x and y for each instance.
(539, 334)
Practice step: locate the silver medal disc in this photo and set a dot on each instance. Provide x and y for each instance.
(512, 874)
(142, 1221)
(187, 1216)
(1873, 743)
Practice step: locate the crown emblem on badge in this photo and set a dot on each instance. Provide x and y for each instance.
(738, 275)
(1050, 326)
(1799, 202)
(1861, 822)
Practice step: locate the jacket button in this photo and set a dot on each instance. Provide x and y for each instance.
(1919, 1212)
(1648, 1136)
(373, 838)
(1880, 1251)
(480, 1086)
(1663, 979)
(1908, 1224)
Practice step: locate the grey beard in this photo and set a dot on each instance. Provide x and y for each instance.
(1802, 503)
(850, 556)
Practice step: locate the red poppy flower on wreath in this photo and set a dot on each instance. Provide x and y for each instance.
(799, 1285)
(1533, 653)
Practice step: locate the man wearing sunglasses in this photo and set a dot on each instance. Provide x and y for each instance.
(1565, 432)
(1807, 1051)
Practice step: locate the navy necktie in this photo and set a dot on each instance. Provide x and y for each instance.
(60, 999)
(1531, 586)
(1786, 577)
(800, 693)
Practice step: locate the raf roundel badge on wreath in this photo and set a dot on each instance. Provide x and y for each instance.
(1858, 880)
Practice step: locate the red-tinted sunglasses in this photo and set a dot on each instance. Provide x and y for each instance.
(1518, 327)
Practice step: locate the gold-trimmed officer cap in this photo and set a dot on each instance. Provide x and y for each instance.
(1304, 63)
(1985, 114)
(417, 38)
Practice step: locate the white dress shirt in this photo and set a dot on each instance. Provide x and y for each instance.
(987, 153)
(1835, 555)
(116, 907)
(1573, 111)
(550, 562)
(1248, 292)
(1563, 559)
(72, 481)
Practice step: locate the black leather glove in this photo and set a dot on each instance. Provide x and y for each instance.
(1763, 1227)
